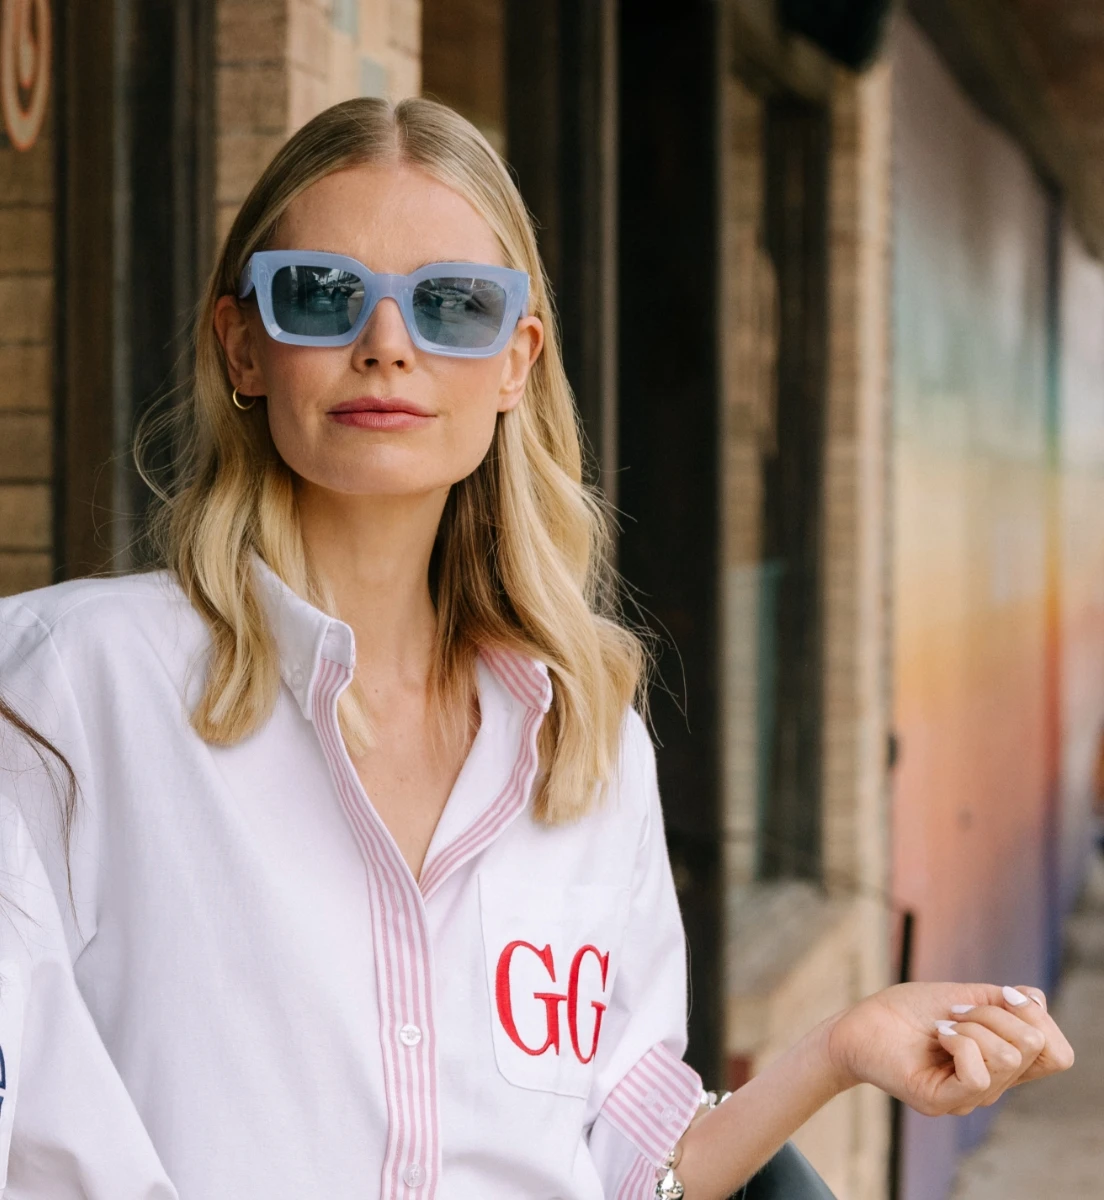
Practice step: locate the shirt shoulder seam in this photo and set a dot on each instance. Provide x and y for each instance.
(63, 613)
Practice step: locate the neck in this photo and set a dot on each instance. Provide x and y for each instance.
(374, 553)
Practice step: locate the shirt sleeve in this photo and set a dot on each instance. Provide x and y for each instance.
(644, 1095)
(35, 683)
(68, 1128)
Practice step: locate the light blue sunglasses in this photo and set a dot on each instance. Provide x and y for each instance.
(309, 298)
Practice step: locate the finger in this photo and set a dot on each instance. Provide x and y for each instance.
(1002, 997)
(1002, 1059)
(1036, 994)
(1011, 995)
(971, 1080)
(1028, 1038)
(1056, 1054)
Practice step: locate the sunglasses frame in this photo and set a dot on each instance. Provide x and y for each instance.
(262, 266)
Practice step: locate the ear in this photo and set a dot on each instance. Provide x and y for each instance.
(238, 336)
(522, 352)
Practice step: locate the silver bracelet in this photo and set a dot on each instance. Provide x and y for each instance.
(668, 1184)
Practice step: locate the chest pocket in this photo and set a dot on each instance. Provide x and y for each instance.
(552, 955)
(12, 1002)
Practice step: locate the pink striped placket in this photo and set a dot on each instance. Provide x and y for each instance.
(412, 1162)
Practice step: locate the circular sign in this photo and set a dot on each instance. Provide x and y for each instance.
(24, 68)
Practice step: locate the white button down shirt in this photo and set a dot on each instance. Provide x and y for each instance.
(291, 1013)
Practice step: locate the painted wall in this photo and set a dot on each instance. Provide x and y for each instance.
(975, 658)
(1081, 548)
(998, 397)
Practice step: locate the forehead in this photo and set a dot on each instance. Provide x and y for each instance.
(392, 217)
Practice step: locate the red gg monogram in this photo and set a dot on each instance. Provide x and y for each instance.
(551, 1000)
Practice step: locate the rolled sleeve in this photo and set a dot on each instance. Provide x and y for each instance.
(644, 1095)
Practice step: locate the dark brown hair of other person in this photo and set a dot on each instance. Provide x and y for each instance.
(52, 761)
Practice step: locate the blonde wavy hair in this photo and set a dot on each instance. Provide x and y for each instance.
(521, 560)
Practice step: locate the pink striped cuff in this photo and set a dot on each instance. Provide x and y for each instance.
(639, 1183)
(653, 1104)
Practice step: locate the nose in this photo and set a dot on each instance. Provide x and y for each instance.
(384, 340)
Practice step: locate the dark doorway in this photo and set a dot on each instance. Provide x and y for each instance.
(795, 226)
(135, 239)
(669, 433)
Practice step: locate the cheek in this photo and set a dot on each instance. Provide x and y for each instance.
(471, 434)
(472, 415)
(299, 381)
(289, 435)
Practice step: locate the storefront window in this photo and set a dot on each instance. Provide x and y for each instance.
(774, 369)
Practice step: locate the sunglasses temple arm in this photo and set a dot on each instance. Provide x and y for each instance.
(246, 285)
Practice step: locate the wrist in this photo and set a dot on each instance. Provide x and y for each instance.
(828, 1045)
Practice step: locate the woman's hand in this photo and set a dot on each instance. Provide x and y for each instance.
(939, 1047)
(947, 1047)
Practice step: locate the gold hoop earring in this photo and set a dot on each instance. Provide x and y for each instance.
(238, 403)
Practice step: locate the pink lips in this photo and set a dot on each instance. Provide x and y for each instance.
(376, 412)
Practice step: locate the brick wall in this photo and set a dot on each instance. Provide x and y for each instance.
(796, 953)
(279, 62)
(26, 350)
(857, 697)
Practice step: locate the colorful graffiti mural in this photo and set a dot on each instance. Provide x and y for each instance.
(999, 642)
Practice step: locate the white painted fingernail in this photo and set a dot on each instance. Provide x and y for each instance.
(1037, 1000)
(962, 1008)
(947, 1028)
(1013, 997)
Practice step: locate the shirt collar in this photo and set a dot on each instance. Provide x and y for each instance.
(304, 635)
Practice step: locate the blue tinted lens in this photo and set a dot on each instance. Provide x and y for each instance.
(467, 313)
(316, 301)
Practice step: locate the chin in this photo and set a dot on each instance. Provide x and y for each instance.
(392, 482)
(387, 470)
(397, 475)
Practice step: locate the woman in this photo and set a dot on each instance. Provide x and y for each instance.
(370, 889)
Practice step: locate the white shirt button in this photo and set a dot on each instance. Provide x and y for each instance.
(297, 677)
(410, 1035)
(670, 1113)
(414, 1176)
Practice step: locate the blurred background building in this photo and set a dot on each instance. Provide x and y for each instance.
(834, 312)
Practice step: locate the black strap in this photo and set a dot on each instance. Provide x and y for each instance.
(788, 1176)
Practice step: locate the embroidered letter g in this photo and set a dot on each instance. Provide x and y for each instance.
(551, 999)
